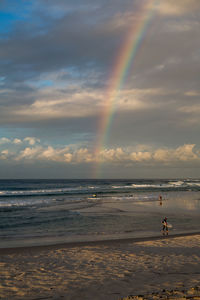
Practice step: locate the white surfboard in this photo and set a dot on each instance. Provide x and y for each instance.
(169, 225)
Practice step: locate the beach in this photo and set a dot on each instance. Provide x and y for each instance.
(106, 270)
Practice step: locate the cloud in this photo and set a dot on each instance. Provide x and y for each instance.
(192, 93)
(182, 154)
(52, 104)
(190, 109)
(140, 156)
(4, 140)
(4, 154)
(112, 155)
(29, 154)
(31, 140)
(144, 155)
(191, 113)
(71, 106)
(17, 141)
(177, 8)
(186, 153)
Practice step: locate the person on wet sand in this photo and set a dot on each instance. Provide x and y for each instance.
(160, 199)
(165, 226)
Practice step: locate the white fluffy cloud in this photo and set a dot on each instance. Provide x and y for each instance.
(142, 155)
(4, 154)
(17, 141)
(31, 140)
(183, 153)
(4, 140)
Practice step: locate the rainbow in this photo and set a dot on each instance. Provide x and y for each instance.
(122, 66)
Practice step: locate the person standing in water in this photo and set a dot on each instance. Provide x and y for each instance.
(165, 226)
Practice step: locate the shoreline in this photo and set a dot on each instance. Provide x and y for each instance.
(78, 244)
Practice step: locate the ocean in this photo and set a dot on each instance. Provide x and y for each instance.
(43, 212)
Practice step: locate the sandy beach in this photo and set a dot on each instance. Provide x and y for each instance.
(105, 270)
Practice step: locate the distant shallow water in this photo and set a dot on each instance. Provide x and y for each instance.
(37, 212)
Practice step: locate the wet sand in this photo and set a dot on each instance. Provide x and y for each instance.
(104, 270)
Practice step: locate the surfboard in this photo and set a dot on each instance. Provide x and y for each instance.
(169, 225)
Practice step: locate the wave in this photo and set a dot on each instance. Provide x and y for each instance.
(193, 184)
(177, 183)
(30, 189)
(156, 186)
(44, 192)
(162, 185)
(20, 204)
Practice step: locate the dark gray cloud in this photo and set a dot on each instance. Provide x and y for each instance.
(57, 58)
(71, 41)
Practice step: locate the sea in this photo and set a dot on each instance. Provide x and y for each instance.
(47, 212)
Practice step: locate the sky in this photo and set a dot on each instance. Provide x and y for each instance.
(99, 89)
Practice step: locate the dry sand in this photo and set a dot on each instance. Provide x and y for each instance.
(103, 271)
